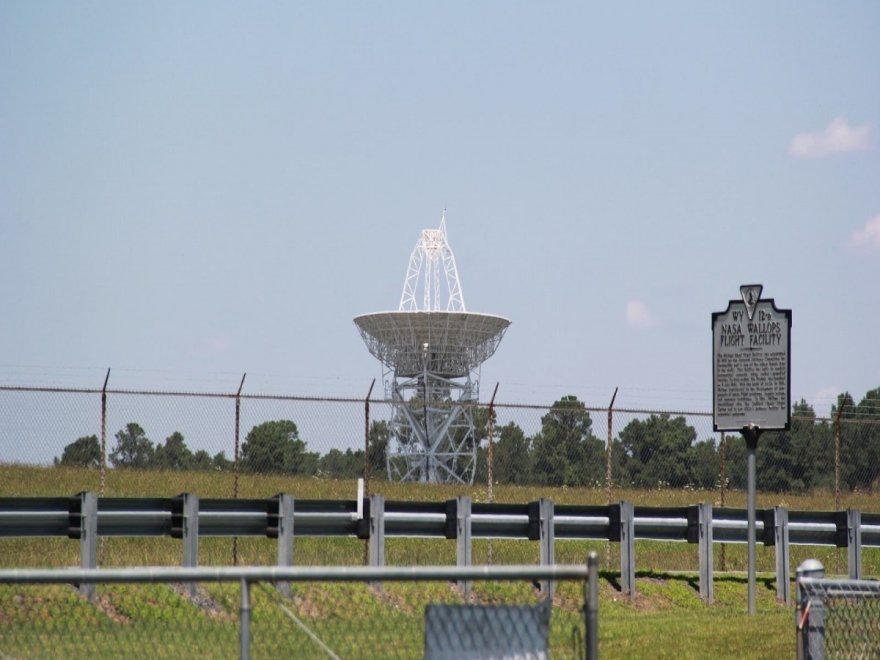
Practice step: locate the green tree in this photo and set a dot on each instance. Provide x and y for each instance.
(859, 439)
(795, 460)
(776, 466)
(511, 457)
(704, 464)
(735, 461)
(275, 447)
(174, 454)
(869, 414)
(380, 434)
(480, 438)
(659, 451)
(342, 465)
(221, 463)
(82, 452)
(565, 451)
(811, 447)
(852, 463)
(201, 461)
(133, 448)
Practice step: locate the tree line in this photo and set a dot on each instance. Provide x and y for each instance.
(658, 451)
(272, 447)
(664, 451)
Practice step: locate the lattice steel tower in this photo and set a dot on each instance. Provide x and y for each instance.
(431, 357)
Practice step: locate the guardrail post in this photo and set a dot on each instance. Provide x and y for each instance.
(627, 549)
(704, 540)
(780, 540)
(190, 530)
(463, 543)
(854, 543)
(285, 538)
(376, 543)
(377, 530)
(88, 540)
(547, 554)
(591, 607)
(190, 534)
(244, 620)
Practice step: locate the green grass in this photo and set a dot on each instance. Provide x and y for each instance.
(25, 480)
(666, 619)
(17, 480)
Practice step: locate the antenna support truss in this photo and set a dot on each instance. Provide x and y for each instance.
(432, 356)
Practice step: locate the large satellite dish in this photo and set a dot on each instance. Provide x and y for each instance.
(431, 354)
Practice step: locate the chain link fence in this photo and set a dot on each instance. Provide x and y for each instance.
(329, 613)
(836, 618)
(119, 443)
(604, 454)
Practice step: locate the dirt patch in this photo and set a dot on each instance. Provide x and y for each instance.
(104, 605)
(204, 601)
(307, 607)
(392, 599)
(640, 602)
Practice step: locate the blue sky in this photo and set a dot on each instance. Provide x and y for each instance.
(189, 191)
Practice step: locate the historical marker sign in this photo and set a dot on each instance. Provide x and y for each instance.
(751, 364)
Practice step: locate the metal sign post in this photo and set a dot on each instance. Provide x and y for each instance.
(751, 377)
(751, 436)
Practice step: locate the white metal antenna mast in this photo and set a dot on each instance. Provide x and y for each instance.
(430, 253)
(432, 355)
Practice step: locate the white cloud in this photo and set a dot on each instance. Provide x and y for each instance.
(824, 399)
(220, 344)
(638, 315)
(211, 345)
(869, 236)
(827, 395)
(838, 138)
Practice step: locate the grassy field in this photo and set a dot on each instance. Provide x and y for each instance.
(666, 619)
(23, 480)
(16, 480)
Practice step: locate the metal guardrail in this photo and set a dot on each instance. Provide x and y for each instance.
(87, 517)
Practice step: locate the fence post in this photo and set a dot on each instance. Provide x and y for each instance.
(780, 540)
(810, 614)
(854, 543)
(236, 467)
(707, 587)
(463, 539)
(88, 540)
(367, 466)
(591, 607)
(547, 554)
(608, 475)
(608, 447)
(244, 617)
(103, 489)
(490, 450)
(104, 434)
(837, 479)
(285, 538)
